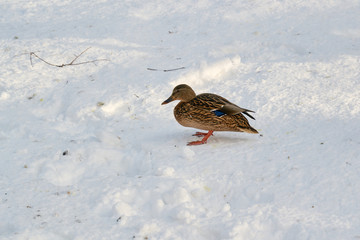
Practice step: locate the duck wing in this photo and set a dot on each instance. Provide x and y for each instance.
(218, 105)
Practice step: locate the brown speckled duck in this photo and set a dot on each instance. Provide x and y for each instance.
(209, 112)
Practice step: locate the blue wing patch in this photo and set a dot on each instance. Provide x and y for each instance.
(218, 113)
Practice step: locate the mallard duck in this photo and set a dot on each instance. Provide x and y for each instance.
(208, 112)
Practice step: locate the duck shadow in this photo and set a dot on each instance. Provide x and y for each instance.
(227, 138)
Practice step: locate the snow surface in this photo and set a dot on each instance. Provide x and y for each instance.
(88, 152)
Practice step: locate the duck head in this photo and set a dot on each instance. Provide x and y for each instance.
(181, 92)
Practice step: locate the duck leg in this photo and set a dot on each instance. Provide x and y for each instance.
(200, 134)
(202, 141)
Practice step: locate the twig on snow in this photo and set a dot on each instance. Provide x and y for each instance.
(165, 70)
(72, 63)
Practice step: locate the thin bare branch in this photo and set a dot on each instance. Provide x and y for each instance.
(72, 63)
(76, 57)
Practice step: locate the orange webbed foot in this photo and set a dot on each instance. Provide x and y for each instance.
(202, 141)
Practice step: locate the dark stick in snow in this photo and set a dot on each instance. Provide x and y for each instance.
(165, 70)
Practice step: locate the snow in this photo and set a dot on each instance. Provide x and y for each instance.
(88, 152)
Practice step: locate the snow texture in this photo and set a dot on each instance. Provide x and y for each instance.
(88, 152)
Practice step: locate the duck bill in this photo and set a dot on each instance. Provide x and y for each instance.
(170, 99)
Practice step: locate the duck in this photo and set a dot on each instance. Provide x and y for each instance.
(209, 112)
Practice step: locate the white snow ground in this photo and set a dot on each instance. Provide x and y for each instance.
(88, 152)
